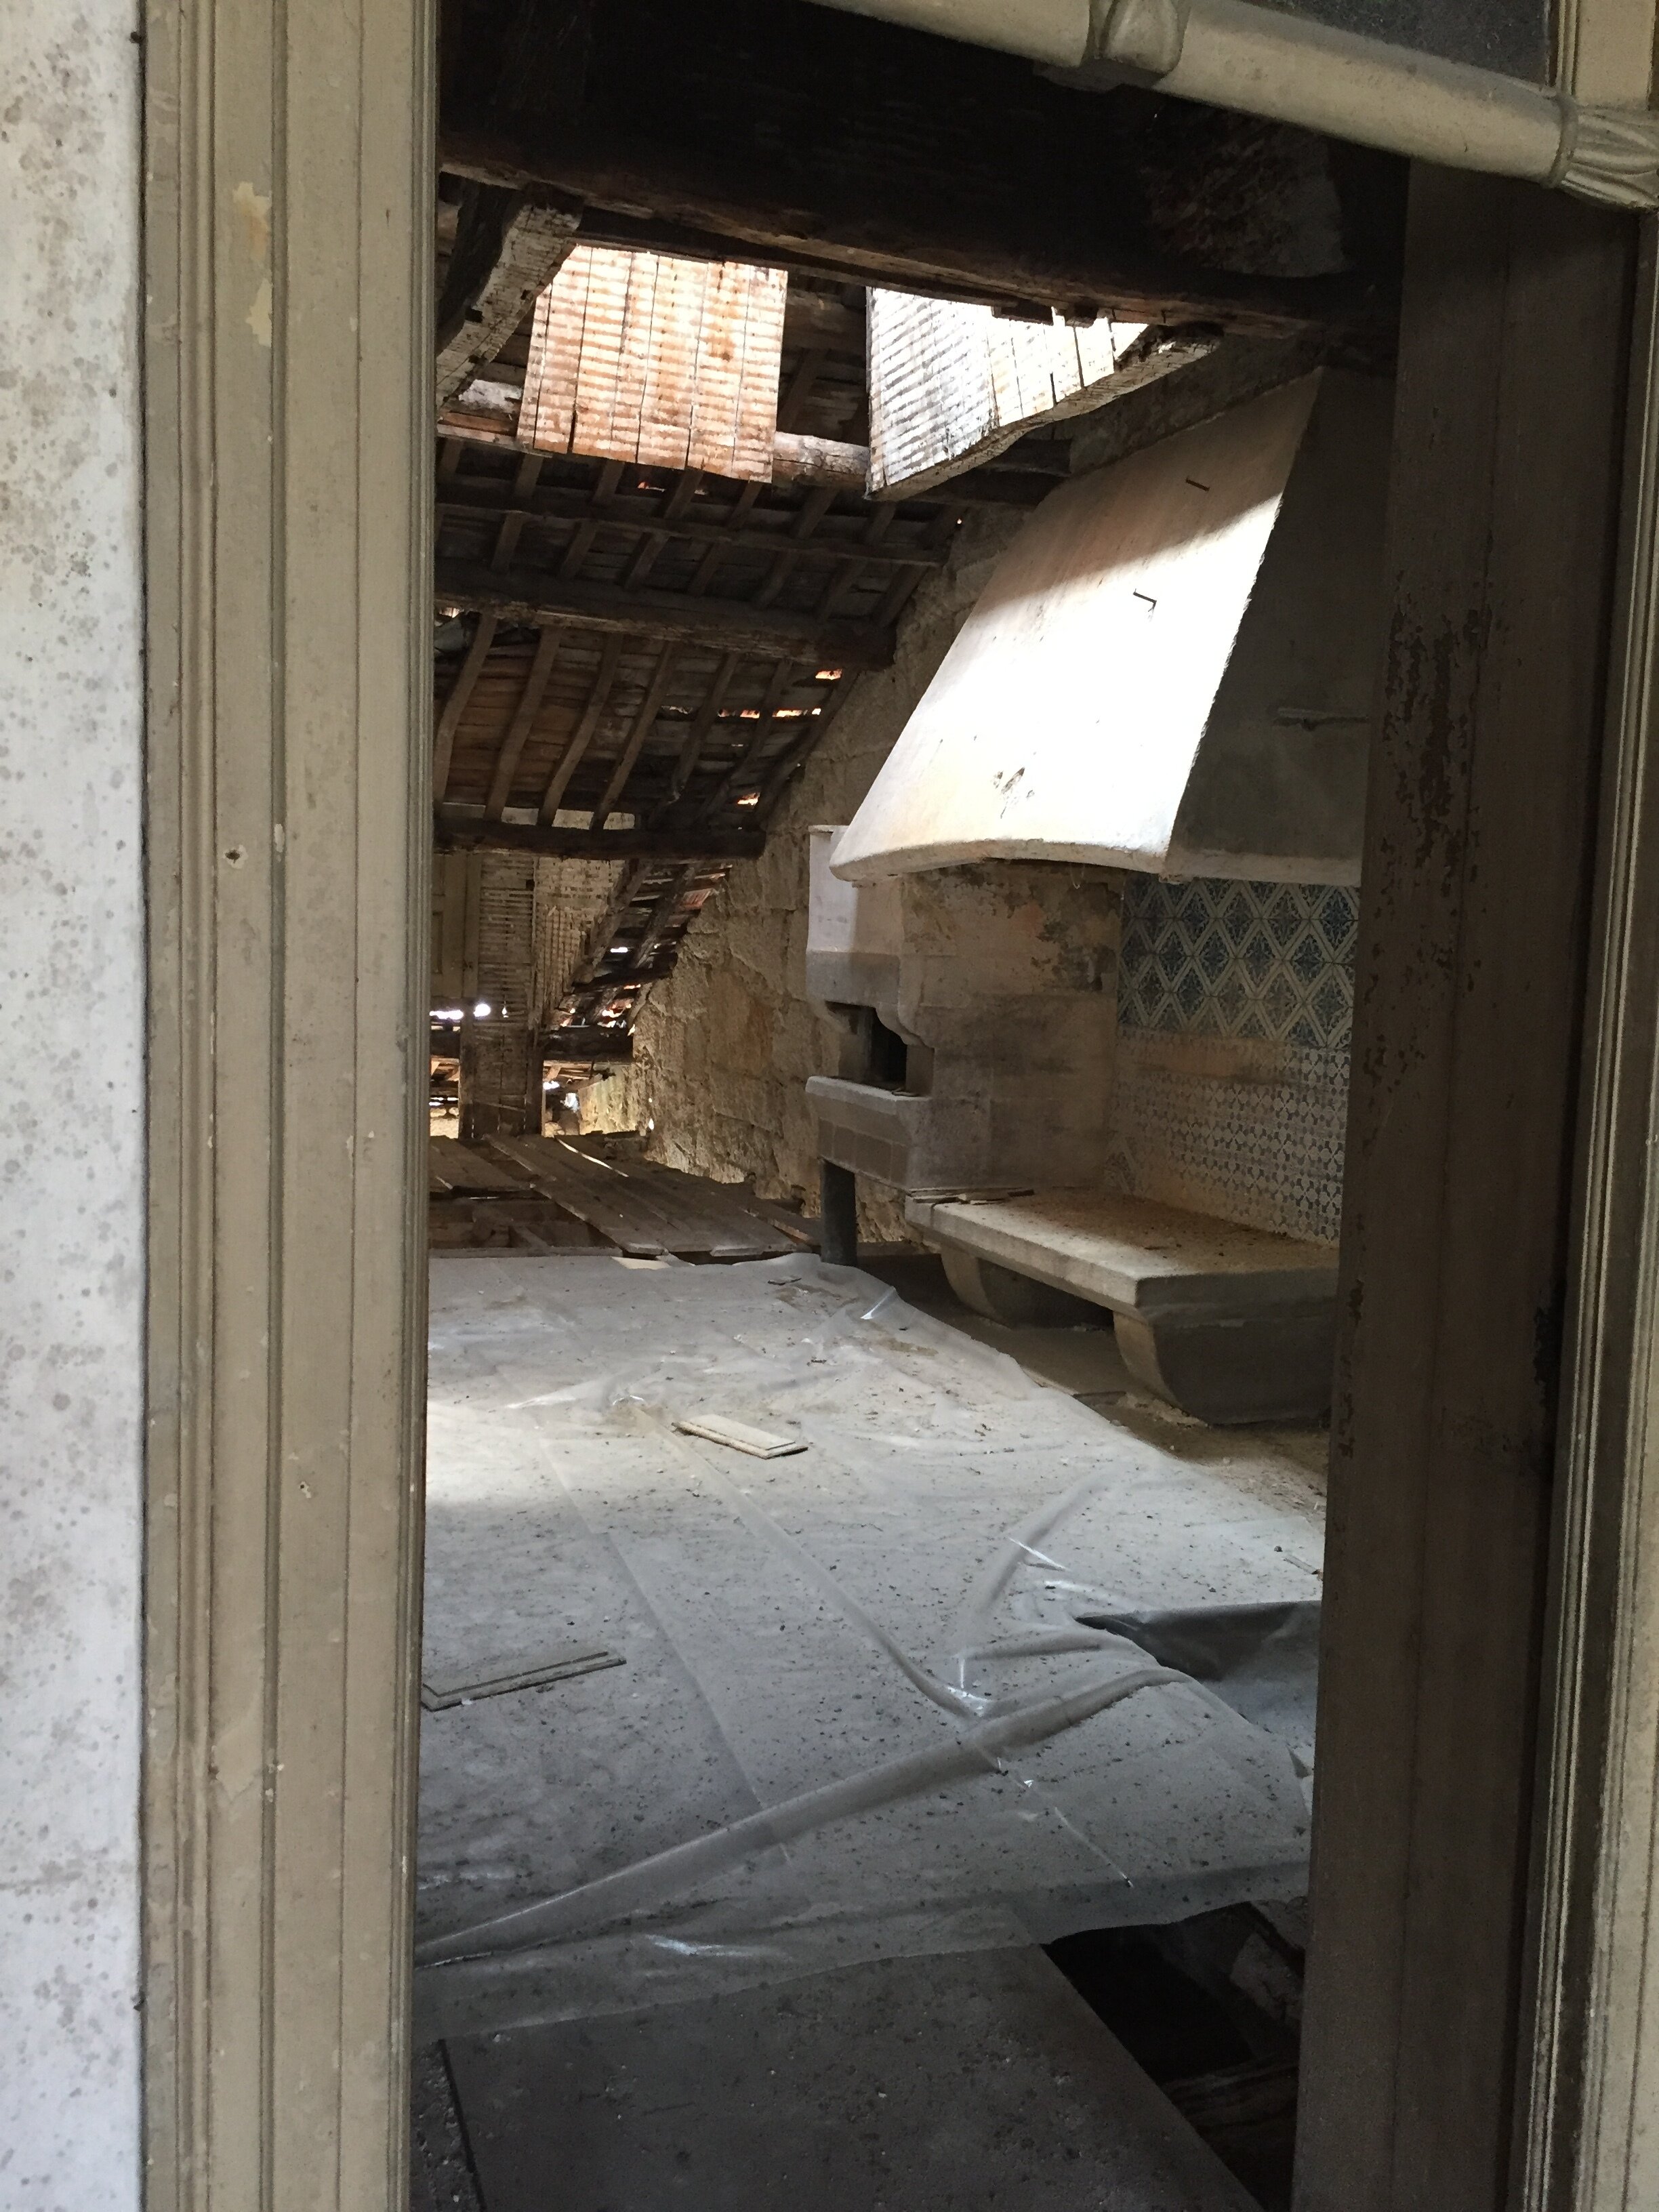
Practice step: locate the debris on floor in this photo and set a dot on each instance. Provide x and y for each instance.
(758, 1444)
(498, 1679)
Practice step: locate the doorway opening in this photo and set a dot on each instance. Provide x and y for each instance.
(901, 738)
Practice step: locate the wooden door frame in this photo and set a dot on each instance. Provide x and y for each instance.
(288, 367)
(289, 412)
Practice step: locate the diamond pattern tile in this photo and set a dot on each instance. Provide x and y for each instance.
(1268, 964)
(1284, 950)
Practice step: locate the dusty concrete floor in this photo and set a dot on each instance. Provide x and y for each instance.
(922, 2054)
(944, 2085)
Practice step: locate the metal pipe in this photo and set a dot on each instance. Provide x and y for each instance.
(1232, 54)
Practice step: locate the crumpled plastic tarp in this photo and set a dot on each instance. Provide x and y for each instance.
(978, 1668)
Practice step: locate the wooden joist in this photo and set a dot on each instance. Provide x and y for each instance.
(671, 617)
(513, 744)
(443, 743)
(581, 1044)
(644, 721)
(469, 833)
(581, 738)
(697, 736)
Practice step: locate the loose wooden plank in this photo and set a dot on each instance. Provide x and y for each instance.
(580, 1187)
(693, 1223)
(655, 358)
(735, 1230)
(733, 1206)
(645, 1209)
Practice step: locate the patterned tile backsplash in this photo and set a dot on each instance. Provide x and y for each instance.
(1235, 1025)
(1240, 960)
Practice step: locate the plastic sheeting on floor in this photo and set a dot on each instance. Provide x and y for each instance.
(918, 1689)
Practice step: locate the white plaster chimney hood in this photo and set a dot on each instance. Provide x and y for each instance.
(1173, 668)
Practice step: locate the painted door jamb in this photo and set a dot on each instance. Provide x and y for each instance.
(289, 154)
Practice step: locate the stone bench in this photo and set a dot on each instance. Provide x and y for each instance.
(1229, 1324)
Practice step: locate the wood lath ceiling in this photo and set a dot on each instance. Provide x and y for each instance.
(644, 643)
(653, 358)
(633, 661)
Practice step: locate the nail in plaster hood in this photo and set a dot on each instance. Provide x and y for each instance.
(1173, 668)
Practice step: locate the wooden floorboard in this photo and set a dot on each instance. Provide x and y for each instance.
(644, 1209)
(452, 1167)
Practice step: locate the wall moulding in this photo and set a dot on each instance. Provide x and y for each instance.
(1592, 2064)
(289, 409)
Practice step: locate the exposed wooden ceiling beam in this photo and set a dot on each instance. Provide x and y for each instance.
(795, 458)
(508, 245)
(530, 703)
(579, 1043)
(468, 834)
(641, 511)
(443, 740)
(644, 723)
(598, 699)
(697, 736)
(771, 130)
(671, 617)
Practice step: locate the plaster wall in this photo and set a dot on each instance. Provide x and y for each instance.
(724, 1046)
(72, 988)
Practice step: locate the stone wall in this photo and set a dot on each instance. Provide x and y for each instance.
(724, 1048)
